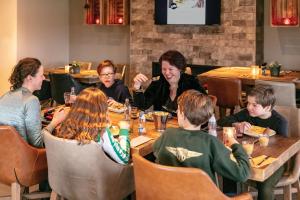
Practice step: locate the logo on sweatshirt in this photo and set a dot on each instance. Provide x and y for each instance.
(182, 154)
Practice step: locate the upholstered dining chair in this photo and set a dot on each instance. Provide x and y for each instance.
(21, 165)
(159, 182)
(121, 71)
(285, 93)
(85, 172)
(291, 177)
(228, 92)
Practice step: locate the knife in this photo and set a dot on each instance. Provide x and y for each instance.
(261, 162)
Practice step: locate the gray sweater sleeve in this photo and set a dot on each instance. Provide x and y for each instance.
(32, 120)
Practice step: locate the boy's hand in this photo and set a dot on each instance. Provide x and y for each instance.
(242, 126)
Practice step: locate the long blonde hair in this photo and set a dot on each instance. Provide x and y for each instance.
(87, 117)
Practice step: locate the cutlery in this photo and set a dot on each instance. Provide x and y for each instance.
(261, 162)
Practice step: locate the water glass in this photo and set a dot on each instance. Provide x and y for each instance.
(160, 120)
(67, 98)
(263, 140)
(248, 147)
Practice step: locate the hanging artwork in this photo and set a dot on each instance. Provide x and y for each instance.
(285, 13)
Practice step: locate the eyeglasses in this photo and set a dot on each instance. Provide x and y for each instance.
(107, 75)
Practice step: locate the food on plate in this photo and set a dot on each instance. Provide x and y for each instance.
(149, 116)
(257, 131)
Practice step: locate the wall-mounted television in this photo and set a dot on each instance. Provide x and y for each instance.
(195, 12)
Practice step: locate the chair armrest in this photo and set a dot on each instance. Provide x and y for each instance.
(244, 196)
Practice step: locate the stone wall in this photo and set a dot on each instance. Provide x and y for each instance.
(233, 43)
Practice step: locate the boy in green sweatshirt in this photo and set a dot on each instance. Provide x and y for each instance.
(189, 146)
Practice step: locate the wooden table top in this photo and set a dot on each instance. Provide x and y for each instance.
(244, 73)
(85, 76)
(279, 147)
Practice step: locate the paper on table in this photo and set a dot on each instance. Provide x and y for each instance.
(139, 140)
(261, 161)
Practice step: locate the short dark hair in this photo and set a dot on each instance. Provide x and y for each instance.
(264, 95)
(175, 58)
(195, 106)
(25, 67)
(106, 63)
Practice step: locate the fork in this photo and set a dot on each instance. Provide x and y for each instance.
(261, 162)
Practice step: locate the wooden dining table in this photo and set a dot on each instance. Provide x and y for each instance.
(245, 75)
(279, 147)
(85, 76)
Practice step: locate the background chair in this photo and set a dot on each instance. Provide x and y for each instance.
(228, 92)
(121, 72)
(154, 181)
(61, 83)
(85, 172)
(285, 92)
(292, 174)
(21, 165)
(291, 177)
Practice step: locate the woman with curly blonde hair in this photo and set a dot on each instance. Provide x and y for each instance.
(87, 121)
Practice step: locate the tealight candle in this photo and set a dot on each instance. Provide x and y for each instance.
(254, 70)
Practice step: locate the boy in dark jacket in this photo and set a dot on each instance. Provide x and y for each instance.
(259, 112)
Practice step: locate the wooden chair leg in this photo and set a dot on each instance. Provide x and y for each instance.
(297, 185)
(53, 196)
(15, 191)
(287, 192)
(222, 112)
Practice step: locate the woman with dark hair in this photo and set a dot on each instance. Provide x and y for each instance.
(112, 87)
(87, 121)
(20, 108)
(163, 93)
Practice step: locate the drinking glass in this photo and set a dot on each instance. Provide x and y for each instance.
(248, 147)
(263, 140)
(228, 132)
(67, 98)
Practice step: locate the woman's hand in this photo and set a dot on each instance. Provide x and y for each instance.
(111, 102)
(138, 80)
(59, 116)
(242, 126)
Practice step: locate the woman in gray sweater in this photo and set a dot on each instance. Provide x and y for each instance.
(20, 108)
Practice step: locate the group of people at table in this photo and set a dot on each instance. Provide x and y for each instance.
(189, 146)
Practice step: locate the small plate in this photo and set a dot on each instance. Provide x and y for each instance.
(256, 131)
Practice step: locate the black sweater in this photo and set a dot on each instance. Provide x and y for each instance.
(158, 92)
(118, 91)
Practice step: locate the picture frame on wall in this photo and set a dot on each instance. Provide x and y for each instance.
(193, 12)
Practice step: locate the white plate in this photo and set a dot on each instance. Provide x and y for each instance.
(116, 110)
(248, 132)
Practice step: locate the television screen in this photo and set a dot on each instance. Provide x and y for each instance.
(202, 12)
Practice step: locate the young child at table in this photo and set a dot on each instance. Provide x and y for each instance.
(259, 112)
(112, 87)
(87, 121)
(189, 146)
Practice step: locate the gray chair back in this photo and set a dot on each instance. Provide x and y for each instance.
(85, 172)
(285, 92)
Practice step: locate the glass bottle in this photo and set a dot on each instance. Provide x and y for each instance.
(142, 123)
(212, 126)
(127, 110)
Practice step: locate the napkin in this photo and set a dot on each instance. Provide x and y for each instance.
(261, 161)
(139, 140)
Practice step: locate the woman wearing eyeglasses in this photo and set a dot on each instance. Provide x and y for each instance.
(112, 87)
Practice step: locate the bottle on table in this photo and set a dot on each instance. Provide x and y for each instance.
(72, 95)
(127, 110)
(142, 123)
(212, 126)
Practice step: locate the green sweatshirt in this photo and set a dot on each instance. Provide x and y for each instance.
(198, 149)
